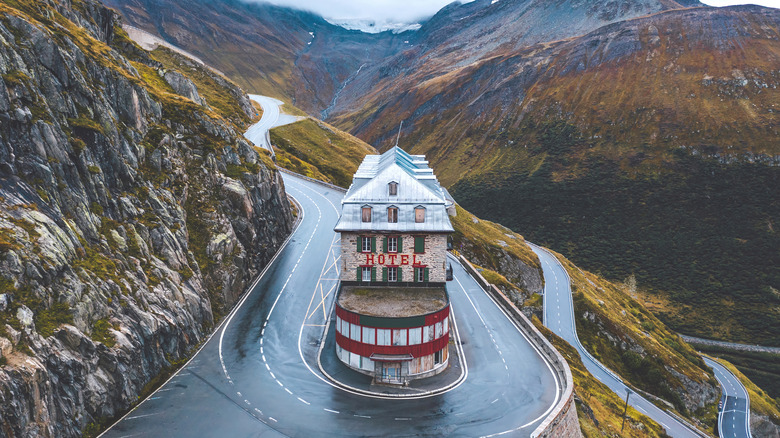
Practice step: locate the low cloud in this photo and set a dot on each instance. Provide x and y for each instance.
(400, 11)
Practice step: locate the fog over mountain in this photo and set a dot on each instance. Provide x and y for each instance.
(398, 12)
(381, 11)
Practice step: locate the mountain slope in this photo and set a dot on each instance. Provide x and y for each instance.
(646, 147)
(460, 36)
(132, 214)
(276, 51)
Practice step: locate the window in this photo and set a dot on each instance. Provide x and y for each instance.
(383, 336)
(399, 337)
(437, 357)
(415, 335)
(366, 214)
(393, 188)
(354, 332)
(438, 330)
(369, 335)
(419, 244)
(392, 215)
(366, 273)
(419, 215)
(421, 275)
(392, 244)
(428, 332)
(366, 244)
(344, 328)
(392, 274)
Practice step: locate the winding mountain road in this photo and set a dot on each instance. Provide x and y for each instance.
(272, 117)
(734, 415)
(257, 374)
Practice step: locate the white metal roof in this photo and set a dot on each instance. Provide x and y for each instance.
(417, 186)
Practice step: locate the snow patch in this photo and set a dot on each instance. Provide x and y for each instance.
(373, 26)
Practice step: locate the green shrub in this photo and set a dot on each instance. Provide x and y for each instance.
(96, 208)
(101, 332)
(78, 145)
(48, 320)
(86, 124)
(16, 78)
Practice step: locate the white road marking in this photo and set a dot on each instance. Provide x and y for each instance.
(304, 401)
(246, 296)
(331, 410)
(142, 416)
(362, 416)
(288, 391)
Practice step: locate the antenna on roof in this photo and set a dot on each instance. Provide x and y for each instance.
(399, 133)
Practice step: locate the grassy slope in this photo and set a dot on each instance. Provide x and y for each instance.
(485, 236)
(318, 150)
(600, 410)
(211, 86)
(645, 351)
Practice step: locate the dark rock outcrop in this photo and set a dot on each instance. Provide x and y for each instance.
(130, 218)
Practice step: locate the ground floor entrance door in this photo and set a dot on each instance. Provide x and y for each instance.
(391, 372)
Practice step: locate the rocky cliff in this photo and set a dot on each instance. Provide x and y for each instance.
(132, 216)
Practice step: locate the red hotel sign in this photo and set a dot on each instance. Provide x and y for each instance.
(392, 259)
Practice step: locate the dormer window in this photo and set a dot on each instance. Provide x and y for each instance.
(419, 214)
(366, 214)
(392, 215)
(393, 188)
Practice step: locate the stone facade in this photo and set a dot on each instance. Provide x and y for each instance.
(434, 256)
